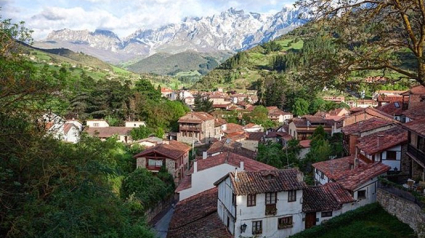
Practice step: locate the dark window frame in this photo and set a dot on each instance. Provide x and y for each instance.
(292, 195)
(257, 227)
(393, 155)
(251, 200)
(361, 194)
(285, 222)
(326, 214)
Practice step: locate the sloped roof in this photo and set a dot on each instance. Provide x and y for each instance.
(373, 112)
(223, 158)
(387, 139)
(329, 197)
(255, 135)
(196, 117)
(219, 122)
(230, 145)
(417, 126)
(106, 132)
(197, 216)
(232, 128)
(265, 181)
(331, 168)
(305, 143)
(415, 112)
(366, 125)
(173, 150)
(393, 108)
(352, 179)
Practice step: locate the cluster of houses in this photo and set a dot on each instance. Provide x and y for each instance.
(225, 192)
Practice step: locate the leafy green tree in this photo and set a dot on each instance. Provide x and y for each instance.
(271, 154)
(140, 132)
(147, 90)
(300, 107)
(318, 104)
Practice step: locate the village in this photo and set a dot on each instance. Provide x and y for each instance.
(222, 189)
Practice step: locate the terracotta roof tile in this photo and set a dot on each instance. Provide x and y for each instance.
(418, 90)
(232, 127)
(393, 108)
(173, 150)
(106, 132)
(305, 143)
(374, 112)
(329, 197)
(255, 136)
(366, 125)
(331, 168)
(351, 179)
(231, 146)
(197, 216)
(415, 112)
(387, 139)
(417, 126)
(266, 181)
(196, 117)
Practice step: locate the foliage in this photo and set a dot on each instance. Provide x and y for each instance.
(202, 104)
(236, 61)
(271, 154)
(301, 107)
(368, 221)
(140, 132)
(135, 185)
(258, 116)
(369, 35)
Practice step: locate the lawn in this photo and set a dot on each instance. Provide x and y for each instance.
(369, 221)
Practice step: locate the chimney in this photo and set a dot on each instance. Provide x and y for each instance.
(236, 174)
(242, 165)
(195, 166)
(356, 161)
(204, 155)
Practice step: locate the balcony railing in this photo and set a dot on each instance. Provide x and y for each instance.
(190, 128)
(271, 209)
(419, 155)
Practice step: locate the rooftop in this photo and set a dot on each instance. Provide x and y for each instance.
(196, 117)
(366, 125)
(197, 216)
(173, 150)
(328, 197)
(106, 132)
(265, 181)
(230, 145)
(383, 140)
(331, 168)
(352, 179)
(415, 112)
(393, 108)
(417, 126)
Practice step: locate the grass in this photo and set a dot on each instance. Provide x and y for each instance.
(369, 221)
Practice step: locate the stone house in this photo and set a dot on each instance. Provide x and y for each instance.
(303, 128)
(173, 154)
(196, 126)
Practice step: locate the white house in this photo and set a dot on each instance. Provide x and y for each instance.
(263, 203)
(61, 129)
(356, 176)
(134, 124)
(206, 171)
(97, 123)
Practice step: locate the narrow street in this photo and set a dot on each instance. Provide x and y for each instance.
(161, 227)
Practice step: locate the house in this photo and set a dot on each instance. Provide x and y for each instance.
(363, 103)
(65, 130)
(303, 128)
(263, 204)
(384, 97)
(415, 95)
(149, 142)
(354, 131)
(166, 92)
(356, 176)
(173, 155)
(251, 127)
(388, 147)
(361, 114)
(416, 148)
(415, 112)
(206, 171)
(97, 123)
(322, 203)
(196, 126)
(337, 99)
(395, 109)
(134, 124)
(237, 147)
(277, 115)
(187, 97)
(197, 217)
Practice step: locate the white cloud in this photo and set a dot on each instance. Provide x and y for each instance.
(121, 16)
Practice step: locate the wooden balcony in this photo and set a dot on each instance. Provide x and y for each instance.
(190, 128)
(416, 154)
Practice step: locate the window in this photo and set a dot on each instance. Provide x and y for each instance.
(96, 124)
(391, 155)
(322, 175)
(251, 200)
(155, 163)
(233, 199)
(327, 214)
(292, 195)
(271, 198)
(284, 222)
(271, 203)
(361, 194)
(257, 227)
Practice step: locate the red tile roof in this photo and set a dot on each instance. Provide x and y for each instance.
(352, 179)
(305, 143)
(173, 150)
(232, 128)
(329, 197)
(219, 122)
(366, 125)
(331, 168)
(418, 90)
(255, 136)
(196, 117)
(231, 146)
(373, 112)
(415, 112)
(196, 217)
(387, 139)
(417, 126)
(266, 181)
(106, 132)
(394, 108)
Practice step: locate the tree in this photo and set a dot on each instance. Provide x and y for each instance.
(300, 107)
(271, 154)
(372, 35)
(202, 104)
(140, 132)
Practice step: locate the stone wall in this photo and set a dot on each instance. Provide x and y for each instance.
(406, 211)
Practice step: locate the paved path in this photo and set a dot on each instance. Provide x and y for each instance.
(161, 227)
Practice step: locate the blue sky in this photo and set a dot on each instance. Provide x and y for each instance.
(120, 16)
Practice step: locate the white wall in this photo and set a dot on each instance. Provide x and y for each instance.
(134, 123)
(318, 178)
(205, 179)
(101, 123)
(225, 207)
(73, 135)
(370, 187)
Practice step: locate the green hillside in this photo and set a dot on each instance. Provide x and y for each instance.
(172, 64)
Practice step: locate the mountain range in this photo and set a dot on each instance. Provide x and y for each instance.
(229, 31)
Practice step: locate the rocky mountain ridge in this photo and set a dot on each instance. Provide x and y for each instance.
(232, 30)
